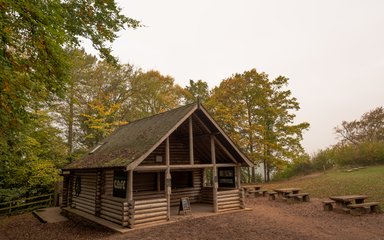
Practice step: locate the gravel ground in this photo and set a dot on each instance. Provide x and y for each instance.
(267, 220)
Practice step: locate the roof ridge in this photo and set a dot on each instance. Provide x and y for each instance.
(157, 114)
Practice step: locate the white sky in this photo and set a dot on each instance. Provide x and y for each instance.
(331, 50)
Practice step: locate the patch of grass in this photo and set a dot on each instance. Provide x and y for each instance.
(368, 181)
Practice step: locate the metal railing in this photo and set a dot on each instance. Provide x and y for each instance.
(26, 204)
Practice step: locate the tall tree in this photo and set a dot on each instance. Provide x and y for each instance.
(33, 62)
(153, 93)
(196, 91)
(106, 101)
(369, 128)
(257, 113)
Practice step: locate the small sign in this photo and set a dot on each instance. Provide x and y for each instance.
(185, 206)
(119, 183)
(159, 159)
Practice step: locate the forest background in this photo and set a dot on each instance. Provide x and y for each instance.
(57, 101)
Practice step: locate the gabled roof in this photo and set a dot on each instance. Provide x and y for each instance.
(132, 143)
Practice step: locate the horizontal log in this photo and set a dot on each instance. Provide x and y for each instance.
(228, 195)
(116, 211)
(149, 215)
(84, 197)
(149, 220)
(84, 201)
(118, 221)
(88, 187)
(119, 217)
(237, 205)
(150, 210)
(147, 206)
(144, 202)
(220, 204)
(228, 199)
(86, 192)
(111, 203)
(229, 209)
(84, 207)
(236, 191)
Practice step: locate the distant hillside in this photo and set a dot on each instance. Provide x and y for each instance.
(368, 181)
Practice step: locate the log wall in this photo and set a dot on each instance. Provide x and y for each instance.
(115, 210)
(85, 201)
(179, 153)
(207, 195)
(150, 211)
(230, 200)
(193, 193)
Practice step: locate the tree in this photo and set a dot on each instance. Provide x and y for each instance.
(257, 113)
(33, 62)
(153, 93)
(31, 166)
(196, 91)
(369, 128)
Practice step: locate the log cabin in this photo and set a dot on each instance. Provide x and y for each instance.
(134, 176)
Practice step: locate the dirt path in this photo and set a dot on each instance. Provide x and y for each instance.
(267, 220)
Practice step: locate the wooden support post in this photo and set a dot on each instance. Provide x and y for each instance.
(238, 175)
(214, 175)
(158, 180)
(65, 192)
(130, 185)
(70, 189)
(98, 193)
(191, 157)
(168, 179)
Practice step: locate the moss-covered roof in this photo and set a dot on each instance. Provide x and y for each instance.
(130, 142)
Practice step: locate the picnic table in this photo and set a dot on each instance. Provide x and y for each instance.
(283, 192)
(344, 201)
(254, 190)
(351, 203)
(290, 193)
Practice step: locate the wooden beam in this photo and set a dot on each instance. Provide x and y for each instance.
(238, 173)
(168, 179)
(214, 175)
(130, 185)
(202, 123)
(225, 150)
(191, 157)
(249, 163)
(133, 165)
(186, 166)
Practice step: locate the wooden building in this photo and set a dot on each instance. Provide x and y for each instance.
(142, 169)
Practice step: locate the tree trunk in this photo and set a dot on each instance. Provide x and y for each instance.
(70, 126)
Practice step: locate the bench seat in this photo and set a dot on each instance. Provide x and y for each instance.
(358, 208)
(328, 205)
(299, 196)
(272, 195)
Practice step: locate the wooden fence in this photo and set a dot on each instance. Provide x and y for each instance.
(26, 204)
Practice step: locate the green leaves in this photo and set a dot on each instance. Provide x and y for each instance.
(258, 115)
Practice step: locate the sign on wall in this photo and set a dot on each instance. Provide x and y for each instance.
(119, 183)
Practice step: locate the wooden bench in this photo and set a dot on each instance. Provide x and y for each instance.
(328, 205)
(358, 208)
(304, 197)
(272, 195)
(257, 192)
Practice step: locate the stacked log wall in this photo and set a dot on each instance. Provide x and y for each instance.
(150, 211)
(115, 210)
(228, 200)
(207, 195)
(85, 200)
(193, 193)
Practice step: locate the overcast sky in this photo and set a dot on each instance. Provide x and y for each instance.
(331, 50)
